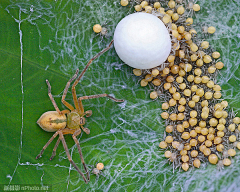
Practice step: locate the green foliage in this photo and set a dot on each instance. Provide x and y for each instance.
(42, 40)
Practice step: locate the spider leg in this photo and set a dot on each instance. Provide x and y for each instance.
(69, 157)
(103, 174)
(65, 111)
(68, 105)
(97, 177)
(46, 145)
(99, 95)
(80, 152)
(87, 113)
(51, 97)
(54, 149)
(86, 130)
(92, 97)
(96, 163)
(78, 105)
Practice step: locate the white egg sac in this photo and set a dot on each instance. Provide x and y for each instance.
(142, 41)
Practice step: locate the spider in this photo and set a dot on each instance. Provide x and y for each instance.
(70, 121)
(98, 170)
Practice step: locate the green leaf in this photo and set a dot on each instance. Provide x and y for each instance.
(42, 40)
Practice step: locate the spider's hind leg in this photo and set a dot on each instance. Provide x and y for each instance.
(54, 149)
(51, 97)
(48, 143)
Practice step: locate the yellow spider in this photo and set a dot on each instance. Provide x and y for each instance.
(69, 122)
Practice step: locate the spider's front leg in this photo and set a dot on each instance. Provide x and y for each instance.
(70, 158)
(78, 105)
(74, 136)
(97, 96)
(68, 105)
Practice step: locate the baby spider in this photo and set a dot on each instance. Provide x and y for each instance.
(69, 121)
(102, 30)
(193, 7)
(99, 29)
(97, 170)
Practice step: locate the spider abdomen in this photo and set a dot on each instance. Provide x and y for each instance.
(51, 121)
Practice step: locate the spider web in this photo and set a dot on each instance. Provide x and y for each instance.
(128, 133)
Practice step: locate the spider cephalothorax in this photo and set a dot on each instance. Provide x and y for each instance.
(70, 121)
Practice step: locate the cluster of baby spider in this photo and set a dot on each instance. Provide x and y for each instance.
(199, 126)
